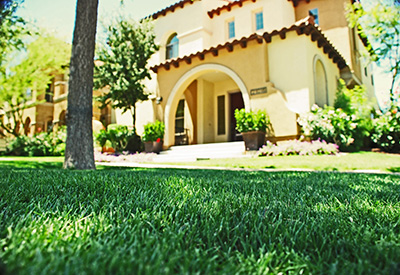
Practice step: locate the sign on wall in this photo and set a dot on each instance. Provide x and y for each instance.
(258, 91)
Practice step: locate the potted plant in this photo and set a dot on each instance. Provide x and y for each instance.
(153, 136)
(253, 127)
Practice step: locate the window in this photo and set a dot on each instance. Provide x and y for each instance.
(172, 47)
(221, 115)
(231, 29)
(49, 92)
(314, 13)
(180, 117)
(259, 20)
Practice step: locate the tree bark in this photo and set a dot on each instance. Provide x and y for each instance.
(79, 145)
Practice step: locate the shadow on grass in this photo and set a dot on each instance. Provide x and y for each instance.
(30, 165)
(18, 164)
(394, 169)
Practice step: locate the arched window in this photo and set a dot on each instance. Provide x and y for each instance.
(172, 46)
(320, 82)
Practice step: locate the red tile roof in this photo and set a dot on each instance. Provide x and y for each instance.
(301, 27)
(172, 8)
(227, 7)
(296, 2)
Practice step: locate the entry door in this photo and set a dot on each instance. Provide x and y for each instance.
(236, 100)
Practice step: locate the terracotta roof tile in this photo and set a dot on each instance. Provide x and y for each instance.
(172, 8)
(227, 7)
(302, 27)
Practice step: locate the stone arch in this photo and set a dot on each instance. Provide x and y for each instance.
(61, 118)
(321, 95)
(184, 82)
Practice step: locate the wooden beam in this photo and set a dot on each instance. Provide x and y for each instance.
(267, 38)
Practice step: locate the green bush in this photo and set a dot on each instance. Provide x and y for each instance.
(349, 132)
(120, 137)
(154, 131)
(386, 134)
(41, 144)
(348, 124)
(251, 121)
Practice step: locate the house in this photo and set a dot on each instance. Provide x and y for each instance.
(215, 56)
(47, 109)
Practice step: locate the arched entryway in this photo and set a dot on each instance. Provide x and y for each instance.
(203, 96)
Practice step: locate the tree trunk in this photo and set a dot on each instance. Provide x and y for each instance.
(79, 145)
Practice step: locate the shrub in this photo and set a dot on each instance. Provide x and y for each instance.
(251, 121)
(386, 134)
(154, 131)
(348, 124)
(120, 137)
(335, 126)
(296, 147)
(41, 144)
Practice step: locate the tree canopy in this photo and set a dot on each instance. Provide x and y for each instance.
(34, 72)
(123, 64)
(380, 24)
(12, 30)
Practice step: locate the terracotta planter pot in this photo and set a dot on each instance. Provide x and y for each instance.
(157, 146)
(148, 146)
(253, 140)
(105, 149)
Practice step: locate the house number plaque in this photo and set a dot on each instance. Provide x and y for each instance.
(258, 91)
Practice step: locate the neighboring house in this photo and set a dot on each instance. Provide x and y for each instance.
(48, 108)
(281, 56)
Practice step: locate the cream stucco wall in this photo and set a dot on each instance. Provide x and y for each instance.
(276, 15)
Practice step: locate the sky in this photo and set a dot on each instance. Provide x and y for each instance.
(58, 17)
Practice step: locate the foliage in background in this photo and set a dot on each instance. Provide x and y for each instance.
(297, 147)
(348, 124)
(154, 131)
(122, 64)
(121, 138)
(386, 134)
(45, 56)
(12, 31)
(209, 222)
(251, 121)
(380, 24)
(41, 144)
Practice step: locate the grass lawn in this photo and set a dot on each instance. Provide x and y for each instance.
(162, 221)
(341, 162)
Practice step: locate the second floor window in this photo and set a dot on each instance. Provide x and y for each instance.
(259, 21)
(314, 13)
(172, 47)
(231, 29)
